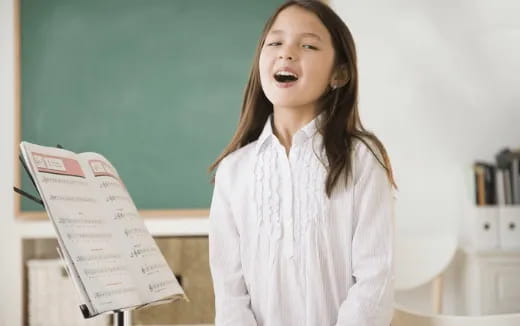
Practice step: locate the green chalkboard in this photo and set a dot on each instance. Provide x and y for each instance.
(154, 85)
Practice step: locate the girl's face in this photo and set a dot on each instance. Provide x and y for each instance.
(296, 60)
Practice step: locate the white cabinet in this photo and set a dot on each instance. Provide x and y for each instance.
(492, 281)
(494, 227)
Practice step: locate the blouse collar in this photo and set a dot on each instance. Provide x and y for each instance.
(306, 132)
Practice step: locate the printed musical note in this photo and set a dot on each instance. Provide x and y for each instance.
(64, 180)
(79, 221)
(135, 231)
(109, 184)
(89, 236)
(159, 286)
(113, 198)
(109, 293)
(152, 268)
(72, 198)
(103, 270)
(142, 252)
(120, 214)
(93, 257)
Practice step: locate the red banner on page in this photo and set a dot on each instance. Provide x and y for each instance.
(101, 168)
(57, 165)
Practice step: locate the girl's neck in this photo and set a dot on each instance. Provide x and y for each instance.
(287, 121)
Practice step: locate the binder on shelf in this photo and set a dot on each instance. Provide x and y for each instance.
(485, 183)
(484, 228)
(509, 162)
(509, 227)
(499, 186)
(507, 187)
(515, 180)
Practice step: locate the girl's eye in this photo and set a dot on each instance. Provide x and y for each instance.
(274, 43)
(308, 46)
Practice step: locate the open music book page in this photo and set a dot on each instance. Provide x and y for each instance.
(115, 262)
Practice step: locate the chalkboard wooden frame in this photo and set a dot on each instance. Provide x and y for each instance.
(17, 117)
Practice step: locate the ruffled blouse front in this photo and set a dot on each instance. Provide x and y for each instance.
(283, 253)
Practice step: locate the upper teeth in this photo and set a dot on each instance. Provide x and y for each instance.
(286, 73)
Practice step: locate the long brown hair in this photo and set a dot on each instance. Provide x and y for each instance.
(341, 123)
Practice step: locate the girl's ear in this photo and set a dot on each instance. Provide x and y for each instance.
(340, 77)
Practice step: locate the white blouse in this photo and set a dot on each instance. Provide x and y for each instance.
(284, 254)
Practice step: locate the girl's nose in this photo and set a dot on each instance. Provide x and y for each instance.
(285, 56)
(287, 52)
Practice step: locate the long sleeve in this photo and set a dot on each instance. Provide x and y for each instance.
(232, 300)
(369, 301)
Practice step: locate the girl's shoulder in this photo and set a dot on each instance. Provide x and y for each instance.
(237, 160)
(367, 158)
(365, 149)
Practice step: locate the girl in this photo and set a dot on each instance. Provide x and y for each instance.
(301, 220)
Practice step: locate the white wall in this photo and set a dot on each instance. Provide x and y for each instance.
(10, 246)
(439, 85)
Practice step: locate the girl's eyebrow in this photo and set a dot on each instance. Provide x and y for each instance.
(305, 34)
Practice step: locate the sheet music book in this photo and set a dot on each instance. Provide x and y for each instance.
(110, 255)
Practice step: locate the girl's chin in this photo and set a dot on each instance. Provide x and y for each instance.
(288, 97)
(287, 103)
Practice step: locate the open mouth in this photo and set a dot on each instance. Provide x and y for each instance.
(285, 77)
